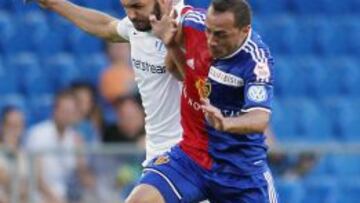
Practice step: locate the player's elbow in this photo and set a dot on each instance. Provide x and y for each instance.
(261, 121)
(260, 127)
(173, 69)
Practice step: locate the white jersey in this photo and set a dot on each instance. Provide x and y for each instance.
(160, 91)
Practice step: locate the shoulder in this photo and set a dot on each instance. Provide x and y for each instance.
(39, 136)
(40, 132)
(193, 18)
(258, 51)
(125, 22)
(123, 27)
(45, 126)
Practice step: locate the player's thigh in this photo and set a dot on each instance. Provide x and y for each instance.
(263, 192)
(144, 193)
(257, 188)
(176, 177)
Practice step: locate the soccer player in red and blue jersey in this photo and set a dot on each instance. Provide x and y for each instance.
(225, 108)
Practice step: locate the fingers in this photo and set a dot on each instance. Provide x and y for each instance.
(173, 14)
(204, 101)
(165, 7)
(152, 19)
(168, 7)
(212, 114)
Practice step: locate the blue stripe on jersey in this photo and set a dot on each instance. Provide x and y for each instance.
(256, 51)
(195, 19)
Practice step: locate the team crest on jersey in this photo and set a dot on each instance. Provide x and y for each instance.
(162, 159)
(257, 93)
(204, 87)
(262, 72)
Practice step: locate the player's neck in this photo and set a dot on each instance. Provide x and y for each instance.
(242, 41)
(239, 47)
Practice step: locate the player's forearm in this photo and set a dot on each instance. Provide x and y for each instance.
(89, 20)
(175, 61)
(173, 69)
(251, 122)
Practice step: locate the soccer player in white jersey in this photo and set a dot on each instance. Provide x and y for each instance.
(159, 90)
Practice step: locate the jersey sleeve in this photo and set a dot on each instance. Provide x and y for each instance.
(123, 28)
(258, 89)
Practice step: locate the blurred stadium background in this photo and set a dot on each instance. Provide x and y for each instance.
(315, 150)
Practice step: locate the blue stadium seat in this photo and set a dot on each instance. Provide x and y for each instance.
(100, 5)
(345, 75)
(288, 77)
(283, 125)
(83, 44)
(314, 77)
(40, 107)
(343, 119)
(198, 4)
(337, 7)
(308, 7)
(354, 6)
(27, 41)
(117, 9)
(324, 7)
(320, 190)
(345, 165)
(6, 30)
(315, 36)
(280, 34)
(322, 167)
(26, 68)
(15, 100)
(350, 190)
(5, 5)
(42, 39)
(8, 84)
(91, 67)
(289, 190)
(352, 35)
(325, 36)
(62, 70)
(274, 7)
(310, 122)
(24, 63)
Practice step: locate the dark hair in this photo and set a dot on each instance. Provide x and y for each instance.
(83, 85)
(240, 8)
(63, 94)
(6, 111)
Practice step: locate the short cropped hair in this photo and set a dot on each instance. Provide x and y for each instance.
(240, 8)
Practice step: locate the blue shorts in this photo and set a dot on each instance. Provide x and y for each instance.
(180, 179)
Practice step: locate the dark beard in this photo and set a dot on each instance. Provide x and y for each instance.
(147, 27)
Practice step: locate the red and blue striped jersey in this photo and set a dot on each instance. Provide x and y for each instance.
(236, 84)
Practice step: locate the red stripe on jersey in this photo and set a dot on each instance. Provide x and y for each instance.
(195, 141)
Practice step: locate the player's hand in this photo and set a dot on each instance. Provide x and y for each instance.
(165, 28)
(213, 115)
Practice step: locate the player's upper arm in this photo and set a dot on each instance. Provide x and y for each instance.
(258, 89)
(118, 30)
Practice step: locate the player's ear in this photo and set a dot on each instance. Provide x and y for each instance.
(246, 29)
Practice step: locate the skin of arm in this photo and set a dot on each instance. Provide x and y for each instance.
(175, 57)
(89, 20)
(255, 121)
(168, 30)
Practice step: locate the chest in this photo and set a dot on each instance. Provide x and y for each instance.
(147, 54)
(227, 86)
